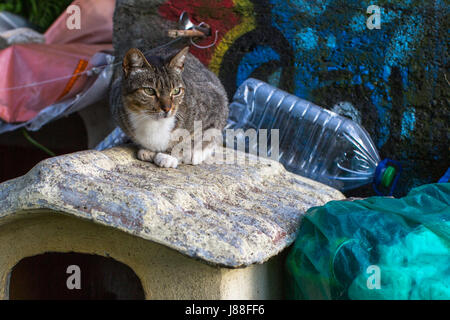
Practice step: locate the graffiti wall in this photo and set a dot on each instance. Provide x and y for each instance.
(393, 77)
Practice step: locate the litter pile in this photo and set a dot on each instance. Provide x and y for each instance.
(60, 72)
(376, 248)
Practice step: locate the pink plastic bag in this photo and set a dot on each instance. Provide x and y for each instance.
(96, 24)
(34, 76)
(34, 63)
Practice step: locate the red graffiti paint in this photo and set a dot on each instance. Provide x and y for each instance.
(219, 14)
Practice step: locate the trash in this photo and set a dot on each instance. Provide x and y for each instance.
(445, 177)
(22, 35)
(9, 21)
(90, 94)
(31, 77)
(115, 138)
(97, 24)
(376, 248)
(313, 142)
(43, 81)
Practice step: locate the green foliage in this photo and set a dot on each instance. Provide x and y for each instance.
(42, 13)
(11, 6)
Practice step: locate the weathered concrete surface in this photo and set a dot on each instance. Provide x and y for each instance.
(226, 214)
(164, 273)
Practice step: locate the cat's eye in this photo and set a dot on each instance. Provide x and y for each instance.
(176, 91)
(150, 91)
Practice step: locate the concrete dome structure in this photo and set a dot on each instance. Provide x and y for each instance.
(212, 231)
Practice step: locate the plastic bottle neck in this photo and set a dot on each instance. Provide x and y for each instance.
(386, 177)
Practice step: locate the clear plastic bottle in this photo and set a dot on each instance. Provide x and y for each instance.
(313, 142)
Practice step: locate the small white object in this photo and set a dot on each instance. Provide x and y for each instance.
(22, 35)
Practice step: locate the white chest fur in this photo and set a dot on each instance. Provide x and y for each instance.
(153, 135)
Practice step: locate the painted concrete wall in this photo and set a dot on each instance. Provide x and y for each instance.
(392, 78)
(164, 273)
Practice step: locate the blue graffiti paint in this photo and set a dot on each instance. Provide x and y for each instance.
(274, 78)
(383, 116)
(404, 75)
(388, 16)
(357, 79)
(358, 23)
(331, 42)
(253, 60)
(386, 73)
(404, 41)
(408, 123)
(306, 39)
(313, 8)
(369, 86)
(284, 19)
(346, 44)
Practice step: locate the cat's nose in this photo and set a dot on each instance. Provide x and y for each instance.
(166, 109)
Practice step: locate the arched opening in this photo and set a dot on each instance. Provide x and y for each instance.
(73, 276)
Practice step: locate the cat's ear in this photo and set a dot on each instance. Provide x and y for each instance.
(177, 62)
(134, 59)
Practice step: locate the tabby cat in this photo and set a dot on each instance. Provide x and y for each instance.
(163, 91)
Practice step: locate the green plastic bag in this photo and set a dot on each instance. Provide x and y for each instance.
(376, 248)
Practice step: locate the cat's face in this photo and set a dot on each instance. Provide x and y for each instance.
(153, 89)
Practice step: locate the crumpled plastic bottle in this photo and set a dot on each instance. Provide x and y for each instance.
(313, 142)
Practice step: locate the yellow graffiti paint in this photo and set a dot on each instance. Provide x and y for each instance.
(245, 9)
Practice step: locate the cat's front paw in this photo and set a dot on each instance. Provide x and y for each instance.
(165, 161)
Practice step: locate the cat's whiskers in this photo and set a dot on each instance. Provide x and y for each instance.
(179, 116)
